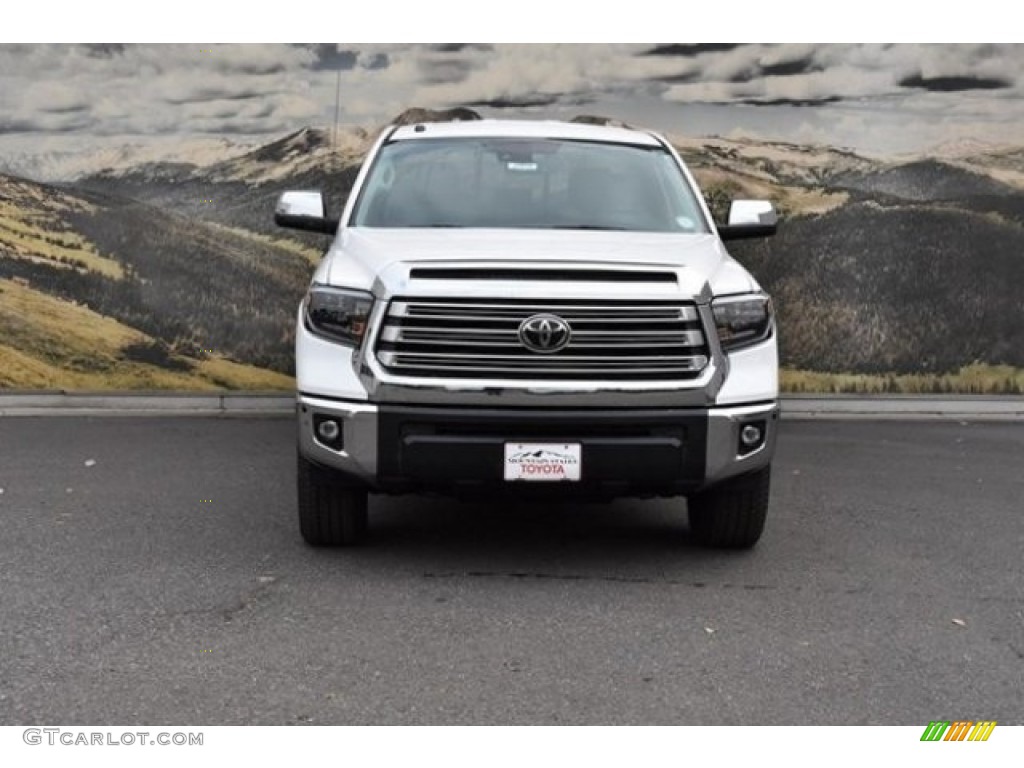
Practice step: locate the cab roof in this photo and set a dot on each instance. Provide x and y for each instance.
(530, 129)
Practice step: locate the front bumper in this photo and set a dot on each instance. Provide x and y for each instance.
(458, 450)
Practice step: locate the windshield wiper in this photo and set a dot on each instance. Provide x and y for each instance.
(591, 227)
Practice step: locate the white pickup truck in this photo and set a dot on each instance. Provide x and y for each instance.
(533, 308)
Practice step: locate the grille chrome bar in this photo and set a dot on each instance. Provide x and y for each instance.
(471, 338)
(460, 310)
(504, 336)
(549, 361)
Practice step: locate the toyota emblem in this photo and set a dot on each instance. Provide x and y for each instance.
(544, 333)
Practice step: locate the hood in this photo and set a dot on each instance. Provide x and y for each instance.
(360, 257)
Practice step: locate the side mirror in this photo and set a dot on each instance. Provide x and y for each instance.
(306, 211)
(749, 218)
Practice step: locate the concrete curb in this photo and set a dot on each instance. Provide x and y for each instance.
(794, 407)
(905, 407)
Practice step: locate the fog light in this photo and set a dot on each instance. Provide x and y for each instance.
(328, 430)
(751, 435)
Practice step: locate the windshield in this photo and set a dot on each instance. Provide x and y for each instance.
(527, 183)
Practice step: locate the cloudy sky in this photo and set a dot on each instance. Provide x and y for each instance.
(874, 98)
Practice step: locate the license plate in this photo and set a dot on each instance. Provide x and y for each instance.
(543, 462)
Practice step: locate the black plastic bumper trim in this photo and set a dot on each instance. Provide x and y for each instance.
(625, 452)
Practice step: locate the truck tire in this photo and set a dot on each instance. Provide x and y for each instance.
(331, 514)
(731, 515)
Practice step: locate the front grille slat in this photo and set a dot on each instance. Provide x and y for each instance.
(473, 338)
(671, 311)
(550, 361)
(514, 320)
(636, 347)
(509, 337)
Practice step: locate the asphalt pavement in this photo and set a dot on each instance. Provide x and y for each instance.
(151, 572)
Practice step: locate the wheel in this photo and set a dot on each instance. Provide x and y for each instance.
(731, 515)
(331, 513)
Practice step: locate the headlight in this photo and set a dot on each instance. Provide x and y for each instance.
(338, 314)
(742, 320)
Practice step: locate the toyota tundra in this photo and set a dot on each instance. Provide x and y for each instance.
(532, 308)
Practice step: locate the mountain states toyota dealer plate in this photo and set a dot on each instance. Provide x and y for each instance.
(544, 462)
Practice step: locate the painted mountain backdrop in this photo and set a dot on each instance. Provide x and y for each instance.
(134, 272)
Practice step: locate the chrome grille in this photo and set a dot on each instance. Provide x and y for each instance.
(475, 338)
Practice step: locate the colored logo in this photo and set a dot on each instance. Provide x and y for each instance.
(959, 730)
